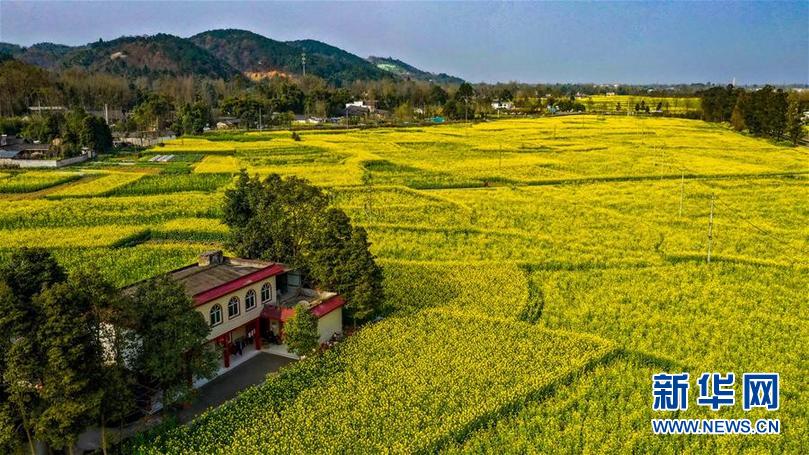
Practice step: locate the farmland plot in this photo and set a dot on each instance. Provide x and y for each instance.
(537, 272)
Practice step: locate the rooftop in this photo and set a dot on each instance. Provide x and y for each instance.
(196, 278)
(215, 275)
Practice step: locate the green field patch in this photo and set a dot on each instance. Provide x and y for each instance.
(385, 172)
(291, 156)
(55, 237)
(173, 183)
(101, 185)
(95, 211)
(30, 181)
(206, 230)
(124, 266)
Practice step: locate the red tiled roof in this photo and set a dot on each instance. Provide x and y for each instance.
(319, 310)
(238, 283)
(327, 306)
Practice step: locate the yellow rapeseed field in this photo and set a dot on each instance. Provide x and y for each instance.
(537, 272)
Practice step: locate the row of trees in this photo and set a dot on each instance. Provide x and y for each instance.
(767, 112)
(73, 347)
(74, 130)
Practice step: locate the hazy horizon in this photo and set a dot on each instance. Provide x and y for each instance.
(549, 42)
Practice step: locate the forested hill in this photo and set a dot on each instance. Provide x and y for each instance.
(249, 52)
(407, 71)
(258, 56)
(335, 64)
(218, 54)
(131, 56)
(160, 54)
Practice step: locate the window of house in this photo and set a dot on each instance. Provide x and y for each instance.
(266, 293)
(233, 307)
(216, 315)
(250, 300)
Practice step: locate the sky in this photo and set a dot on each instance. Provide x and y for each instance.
(598, 42)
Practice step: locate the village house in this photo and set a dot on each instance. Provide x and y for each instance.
(227, 123)
(361, 105)
(502, 105)
(246, 303)
(17, 152)
(307, 120)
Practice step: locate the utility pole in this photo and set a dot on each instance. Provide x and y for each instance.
(710, 231)
(682, 193)
(106, 114)
(260, 125)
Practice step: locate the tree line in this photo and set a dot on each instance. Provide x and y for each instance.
(67, 133)
(766, 112)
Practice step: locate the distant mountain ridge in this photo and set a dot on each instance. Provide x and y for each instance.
(256, 54)
(407, 71)
(220, 54)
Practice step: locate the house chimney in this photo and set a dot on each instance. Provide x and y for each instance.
(215, 257)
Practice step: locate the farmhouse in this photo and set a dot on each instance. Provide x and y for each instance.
(247, 301)
(369, 106)
(16, 152)
(504, 105)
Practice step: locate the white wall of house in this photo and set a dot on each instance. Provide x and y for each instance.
(244, 315)
(330, 324)
(43, 163)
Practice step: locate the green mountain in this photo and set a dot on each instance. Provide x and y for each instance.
(225, 54)
(258, 56)
(249, 52)
(10, 49)
(406, 71)
(157, 55)
(335, 64)
(45, 55)
(131, 56)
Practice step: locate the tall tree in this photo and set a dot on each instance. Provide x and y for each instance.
(173, 346)
(113, 313)
(794, 127)
(438, 96)
(288, 220)
(71, 374)
(22, 277)
(95, 134)
(10, 422)
(362, 278)
(273, 219)
(737, 117)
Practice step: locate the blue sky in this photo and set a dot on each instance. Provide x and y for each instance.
(603, 42)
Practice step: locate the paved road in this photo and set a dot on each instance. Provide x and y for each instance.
(229, 385)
